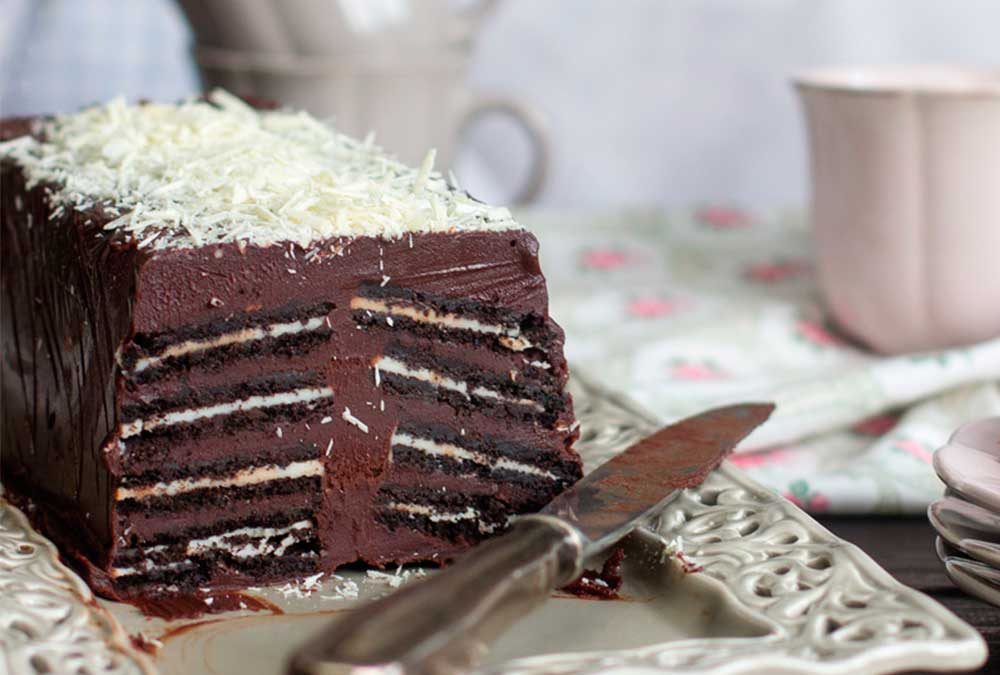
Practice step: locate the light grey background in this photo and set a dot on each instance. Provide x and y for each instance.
(648, 101)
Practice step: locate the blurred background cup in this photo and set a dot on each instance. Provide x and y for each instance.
(906, 203)
(395, 67)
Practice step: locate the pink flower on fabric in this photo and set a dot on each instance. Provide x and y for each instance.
(914, 449)
(793, 499)
(605, 259)
(760, 458)
(722, 217)
(695, 371)
(875, 426)
(800, 494)
(815, 333)
(774, 272)
(818, 503)
(653, 307)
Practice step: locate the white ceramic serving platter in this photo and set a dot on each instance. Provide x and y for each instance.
(730, 578)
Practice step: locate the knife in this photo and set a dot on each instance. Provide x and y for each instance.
(443, 624)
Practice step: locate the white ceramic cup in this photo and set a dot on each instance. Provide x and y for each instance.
(906, 202)
(411, 106)
(333, 27)
(395, 67)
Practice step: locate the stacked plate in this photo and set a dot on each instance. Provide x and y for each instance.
(967, 518)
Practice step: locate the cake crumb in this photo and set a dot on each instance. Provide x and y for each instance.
(146, 644)
(687, 565)
(603, 584)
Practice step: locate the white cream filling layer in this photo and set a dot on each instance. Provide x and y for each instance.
(422, 510)
(274, 330)
(221, 542)
(146, 566)
(248, 549)
(438, 449)
(135, 427)
(248, 476)
(387, 364)
(510, 337)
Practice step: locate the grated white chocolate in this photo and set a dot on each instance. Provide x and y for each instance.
(205, 172)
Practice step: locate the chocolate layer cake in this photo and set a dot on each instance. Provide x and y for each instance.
(240, 347)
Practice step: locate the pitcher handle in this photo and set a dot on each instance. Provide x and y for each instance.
(532, 123)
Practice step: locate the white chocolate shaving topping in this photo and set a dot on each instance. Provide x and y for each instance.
(205, 172)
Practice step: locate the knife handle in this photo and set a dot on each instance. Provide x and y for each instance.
(443, 624)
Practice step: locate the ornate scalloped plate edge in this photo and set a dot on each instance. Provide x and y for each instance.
(830, 607)
(50, 621)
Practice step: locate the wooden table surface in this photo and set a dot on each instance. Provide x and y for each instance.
(905, 548)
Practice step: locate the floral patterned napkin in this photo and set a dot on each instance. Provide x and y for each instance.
(683, 311)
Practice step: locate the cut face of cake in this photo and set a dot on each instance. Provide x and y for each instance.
(239, 347)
